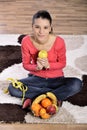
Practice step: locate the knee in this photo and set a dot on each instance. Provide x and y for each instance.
(10, 87)
(14, 91)
(77, 85)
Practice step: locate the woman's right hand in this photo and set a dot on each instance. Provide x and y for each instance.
(39, 64)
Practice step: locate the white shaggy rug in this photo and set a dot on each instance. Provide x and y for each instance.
(76, 66)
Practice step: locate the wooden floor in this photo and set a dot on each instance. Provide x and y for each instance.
(69, 16)
(42, 127)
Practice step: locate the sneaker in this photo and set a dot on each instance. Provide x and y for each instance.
(59, 102)
(26, 103)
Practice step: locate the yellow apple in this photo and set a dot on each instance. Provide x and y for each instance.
(42, 54)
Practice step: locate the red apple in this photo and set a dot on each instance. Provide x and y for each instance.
(51, 109)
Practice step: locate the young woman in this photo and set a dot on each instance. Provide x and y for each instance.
(45, 74)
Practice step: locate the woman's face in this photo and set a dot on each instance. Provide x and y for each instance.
(41, 29)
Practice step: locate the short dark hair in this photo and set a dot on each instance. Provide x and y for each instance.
(21, 37)
(42, 14)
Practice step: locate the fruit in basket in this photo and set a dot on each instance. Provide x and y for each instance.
(42, 111)
(44, 114)
(45, 105)
(51, 109)
(39, 99)
(51, 96)
(35, 108)
(46, 102)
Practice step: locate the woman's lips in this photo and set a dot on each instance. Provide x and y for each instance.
(41, 36)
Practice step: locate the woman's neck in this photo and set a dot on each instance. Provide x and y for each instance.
(45, 45)
(41, 42)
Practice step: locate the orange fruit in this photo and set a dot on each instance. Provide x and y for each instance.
(45, 116)
(42, 54)
(46, 102)
(35, 108)
(43, 113)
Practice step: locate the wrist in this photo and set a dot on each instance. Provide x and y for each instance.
(37, 68)
(47, 67)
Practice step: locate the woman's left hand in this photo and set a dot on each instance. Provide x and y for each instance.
(44, 62)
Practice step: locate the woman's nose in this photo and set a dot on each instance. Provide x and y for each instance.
(41, 30)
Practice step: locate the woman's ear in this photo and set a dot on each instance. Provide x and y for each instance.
(51, 30)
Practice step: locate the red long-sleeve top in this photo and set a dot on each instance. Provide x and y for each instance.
(56, 58)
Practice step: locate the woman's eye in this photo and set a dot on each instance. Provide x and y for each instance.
(37, 27)
(45, 27)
